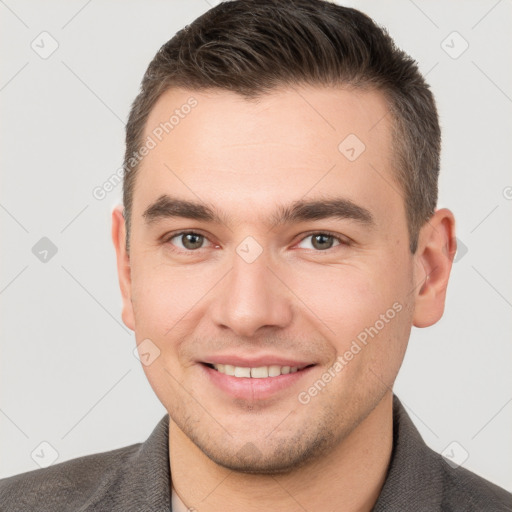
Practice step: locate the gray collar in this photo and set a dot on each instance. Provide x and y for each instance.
(417, 479)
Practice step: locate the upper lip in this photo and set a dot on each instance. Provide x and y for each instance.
(255, 362)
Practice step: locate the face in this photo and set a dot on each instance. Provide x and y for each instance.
(315, 301)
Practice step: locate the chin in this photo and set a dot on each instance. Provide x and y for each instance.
(286, 457)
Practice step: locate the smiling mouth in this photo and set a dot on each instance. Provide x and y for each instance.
(260, 372)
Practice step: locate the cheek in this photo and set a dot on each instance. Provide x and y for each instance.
(344, 299)
(162, 295)
(364, 313)
(153, 304)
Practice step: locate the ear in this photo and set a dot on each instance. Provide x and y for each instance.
(433, 262)
(123, 265)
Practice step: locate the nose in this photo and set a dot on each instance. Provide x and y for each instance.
(252, 296)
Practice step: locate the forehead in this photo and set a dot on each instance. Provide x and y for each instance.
(284, 145)
(296, 117)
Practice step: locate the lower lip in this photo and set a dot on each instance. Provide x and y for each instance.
(248, 388)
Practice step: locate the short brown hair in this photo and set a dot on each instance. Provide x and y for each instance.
(254, 46)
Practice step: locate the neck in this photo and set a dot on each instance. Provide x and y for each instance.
(350, 477)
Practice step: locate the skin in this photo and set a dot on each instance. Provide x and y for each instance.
(246, 158)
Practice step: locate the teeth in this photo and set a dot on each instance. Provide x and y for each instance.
(260, 372)
(228, 369)
(240, 371)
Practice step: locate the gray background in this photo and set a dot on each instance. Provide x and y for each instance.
(68, 374)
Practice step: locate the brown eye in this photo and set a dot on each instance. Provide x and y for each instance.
(189, 241)
(323, 241)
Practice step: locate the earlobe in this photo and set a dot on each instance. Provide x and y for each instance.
(433, 263)
(123, 265)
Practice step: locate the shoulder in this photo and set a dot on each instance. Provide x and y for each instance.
(419, 478)
(64, 486)
(465, 490)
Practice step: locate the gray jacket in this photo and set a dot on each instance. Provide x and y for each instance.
(136, 478)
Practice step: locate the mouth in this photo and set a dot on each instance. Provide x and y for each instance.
(257, 382)
(258, 372)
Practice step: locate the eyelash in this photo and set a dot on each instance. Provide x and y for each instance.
(342, 241)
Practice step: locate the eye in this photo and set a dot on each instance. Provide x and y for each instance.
(323, 241)
(189, 240)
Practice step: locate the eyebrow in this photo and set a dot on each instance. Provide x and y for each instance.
(298, 211)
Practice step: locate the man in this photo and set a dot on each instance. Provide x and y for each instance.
(279, 239)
